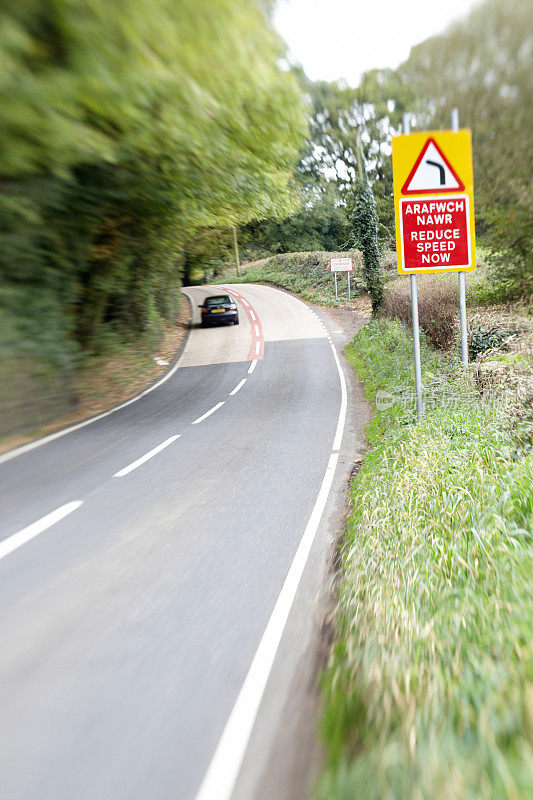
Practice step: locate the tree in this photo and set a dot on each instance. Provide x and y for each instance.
(319, 224)
(365, 229)
(340, 113)
(483, 66)
(126, 128)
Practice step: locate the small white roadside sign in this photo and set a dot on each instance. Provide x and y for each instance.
(344, 264)
(340, 264)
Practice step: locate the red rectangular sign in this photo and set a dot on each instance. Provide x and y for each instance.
(435, 232)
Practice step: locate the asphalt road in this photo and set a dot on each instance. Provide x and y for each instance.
(143, 555)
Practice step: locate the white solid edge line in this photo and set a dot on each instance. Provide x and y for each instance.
(220, 778)
(146, 457)
(18, 451)
(253, 365)
(207, 414)
(257, 347)
(238, 387)
(223, 770)
(337, 441)
(31, 531)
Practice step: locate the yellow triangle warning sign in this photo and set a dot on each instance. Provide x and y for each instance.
(432, 172)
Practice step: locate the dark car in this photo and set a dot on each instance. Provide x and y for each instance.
(217, 309)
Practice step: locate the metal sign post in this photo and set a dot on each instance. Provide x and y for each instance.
(434, 214)
(343, 264)
(414, 314)
(461, 276)
(236, 249)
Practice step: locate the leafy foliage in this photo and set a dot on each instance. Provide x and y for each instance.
(483, 65)
(319, 224)
(125, 129)
(364, 227)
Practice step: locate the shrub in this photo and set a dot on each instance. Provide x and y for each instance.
(438, 307)
(486, 338)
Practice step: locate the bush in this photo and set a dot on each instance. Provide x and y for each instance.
(487, 338)
(438, 307)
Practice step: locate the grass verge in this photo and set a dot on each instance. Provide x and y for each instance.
(429, 689)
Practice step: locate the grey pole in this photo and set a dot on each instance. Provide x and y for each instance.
(416, 347)
(336, 296)
(236, 249)
(349, 296)
(414, 314)
(461, 278)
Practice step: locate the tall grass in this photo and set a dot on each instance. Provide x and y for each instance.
(429, 689)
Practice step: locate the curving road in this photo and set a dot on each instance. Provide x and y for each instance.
(149, 561)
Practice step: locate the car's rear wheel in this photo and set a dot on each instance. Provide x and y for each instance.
(235, 321)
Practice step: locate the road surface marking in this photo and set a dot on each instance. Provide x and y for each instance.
(219, 781)
(146, 457)
(221, 776)
(26, 534)
(344, 403)
(253, 365)
(257, 339)
(239, 386)
(207, 414)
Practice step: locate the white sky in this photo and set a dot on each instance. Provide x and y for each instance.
(335, 39)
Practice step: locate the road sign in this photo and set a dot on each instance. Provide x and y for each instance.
(340, 264)
(434, 202)
(432, 172)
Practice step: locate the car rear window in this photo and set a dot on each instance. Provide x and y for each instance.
(217, 300)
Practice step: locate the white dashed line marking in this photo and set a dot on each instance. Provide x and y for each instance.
(257, 348)
(239, 386)
(253, 365)
(146, 457)
(252, 314)
(256, 329)
(31, 531)
(207, 414)
(221, 775)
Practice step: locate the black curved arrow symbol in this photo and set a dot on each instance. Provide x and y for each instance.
(440, 168)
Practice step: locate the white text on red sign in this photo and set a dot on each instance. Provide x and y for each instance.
(435, 232)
